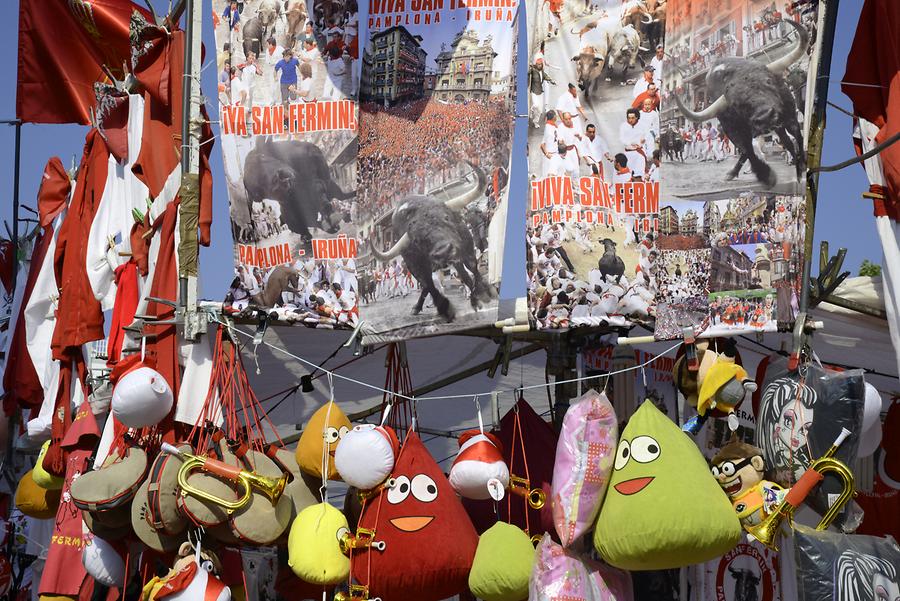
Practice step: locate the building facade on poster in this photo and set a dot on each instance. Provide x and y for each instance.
(435, 142)
(289, 123)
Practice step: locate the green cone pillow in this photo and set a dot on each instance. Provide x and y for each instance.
(502, 565)
(663, 508)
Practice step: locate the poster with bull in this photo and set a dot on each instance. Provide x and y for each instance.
(736, 89)
(437, 98)
(287, 87)
(594, 81)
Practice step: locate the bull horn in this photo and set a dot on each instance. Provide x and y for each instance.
(709, 112)
(460, 202)
(794, 55)
(649, 19)
(644, 49)
(393, 251)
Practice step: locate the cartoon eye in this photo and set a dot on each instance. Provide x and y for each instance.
(400, 490)
(341, 533)
(424, 488)
(330, 435)
(207, 565)
(623, 454)
(644, 449)
(715, 471)
(343, 431)
(728, 468)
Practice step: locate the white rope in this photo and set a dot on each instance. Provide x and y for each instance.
(454, 396)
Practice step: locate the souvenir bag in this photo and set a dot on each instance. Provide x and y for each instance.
(242, 494)
(314, 545)
(502, 565)
(366, 455)
(560, 573)
(322, 434)
(584, 462)
(845, 567)
(114, 484)
(479, 471)
(414, 539)
(103, 561)
(800, 415)
(663, 508)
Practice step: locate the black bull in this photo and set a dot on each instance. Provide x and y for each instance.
(434, 237)
(297, 176)
(672, 145)
(752, 99)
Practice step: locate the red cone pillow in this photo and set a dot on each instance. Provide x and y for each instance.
(429, 540)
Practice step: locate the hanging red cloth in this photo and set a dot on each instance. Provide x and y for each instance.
(20, 380)
(81, 316)
(123, 310)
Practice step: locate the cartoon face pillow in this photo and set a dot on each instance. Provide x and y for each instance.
(325, 429)
(429, 541)
(663, 508)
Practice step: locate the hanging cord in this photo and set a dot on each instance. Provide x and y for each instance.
(323, 489)
(454, 396)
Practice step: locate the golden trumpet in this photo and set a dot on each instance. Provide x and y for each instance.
(357, 592)
(272, 488)
(767, 531)
(536, 497)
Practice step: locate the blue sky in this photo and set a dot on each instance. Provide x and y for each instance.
(844, 218)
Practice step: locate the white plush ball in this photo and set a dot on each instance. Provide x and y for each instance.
(870, 440)
(103, 562)
(470, 478)
(872, 408)
(365, 457)
(141, 398)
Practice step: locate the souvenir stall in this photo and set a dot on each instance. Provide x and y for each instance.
(682, 405)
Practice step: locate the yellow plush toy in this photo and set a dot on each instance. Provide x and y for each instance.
(41, 477)
(724, 386)
(314, 545)
(324, 431)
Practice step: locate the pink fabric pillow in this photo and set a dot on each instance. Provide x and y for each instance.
(584, 462)
(560, 573)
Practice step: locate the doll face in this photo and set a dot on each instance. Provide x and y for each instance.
(635, 461)
(416, 493)
(792, 429)
(884, 588)
(738, 475)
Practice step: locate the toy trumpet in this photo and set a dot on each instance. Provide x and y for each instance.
(767, 531)
(270, 487)
(357, 592)
(536, 497)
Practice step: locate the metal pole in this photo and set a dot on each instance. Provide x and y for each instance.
(190, 166)
(815, 139)
(15, 217)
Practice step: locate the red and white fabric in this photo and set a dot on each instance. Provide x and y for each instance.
(872, 84)
(122, 193)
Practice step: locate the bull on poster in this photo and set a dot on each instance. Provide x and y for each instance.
(733, 209)
(436, 117)
(287, 84)
(595, 81)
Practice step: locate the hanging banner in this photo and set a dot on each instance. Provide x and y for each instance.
(737, 92)
(437, 99)
(288, 121)
(593, 160)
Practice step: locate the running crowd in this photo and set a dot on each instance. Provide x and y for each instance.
(683, 274)
(572, 146)
(317, 293)
(414, 147)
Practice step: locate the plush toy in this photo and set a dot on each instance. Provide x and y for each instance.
(724, 386)
(479, 460)
(584, 462)
(35, 501)
(193, 577)
(502, 564)
(314, 545)
(323, 432)
(141, 398)
(739, 468)
(421, 542)
(42, 477)
(663, 508)
(366, 455)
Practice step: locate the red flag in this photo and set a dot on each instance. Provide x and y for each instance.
(62, 46)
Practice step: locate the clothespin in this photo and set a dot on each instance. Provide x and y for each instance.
(690, 348)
